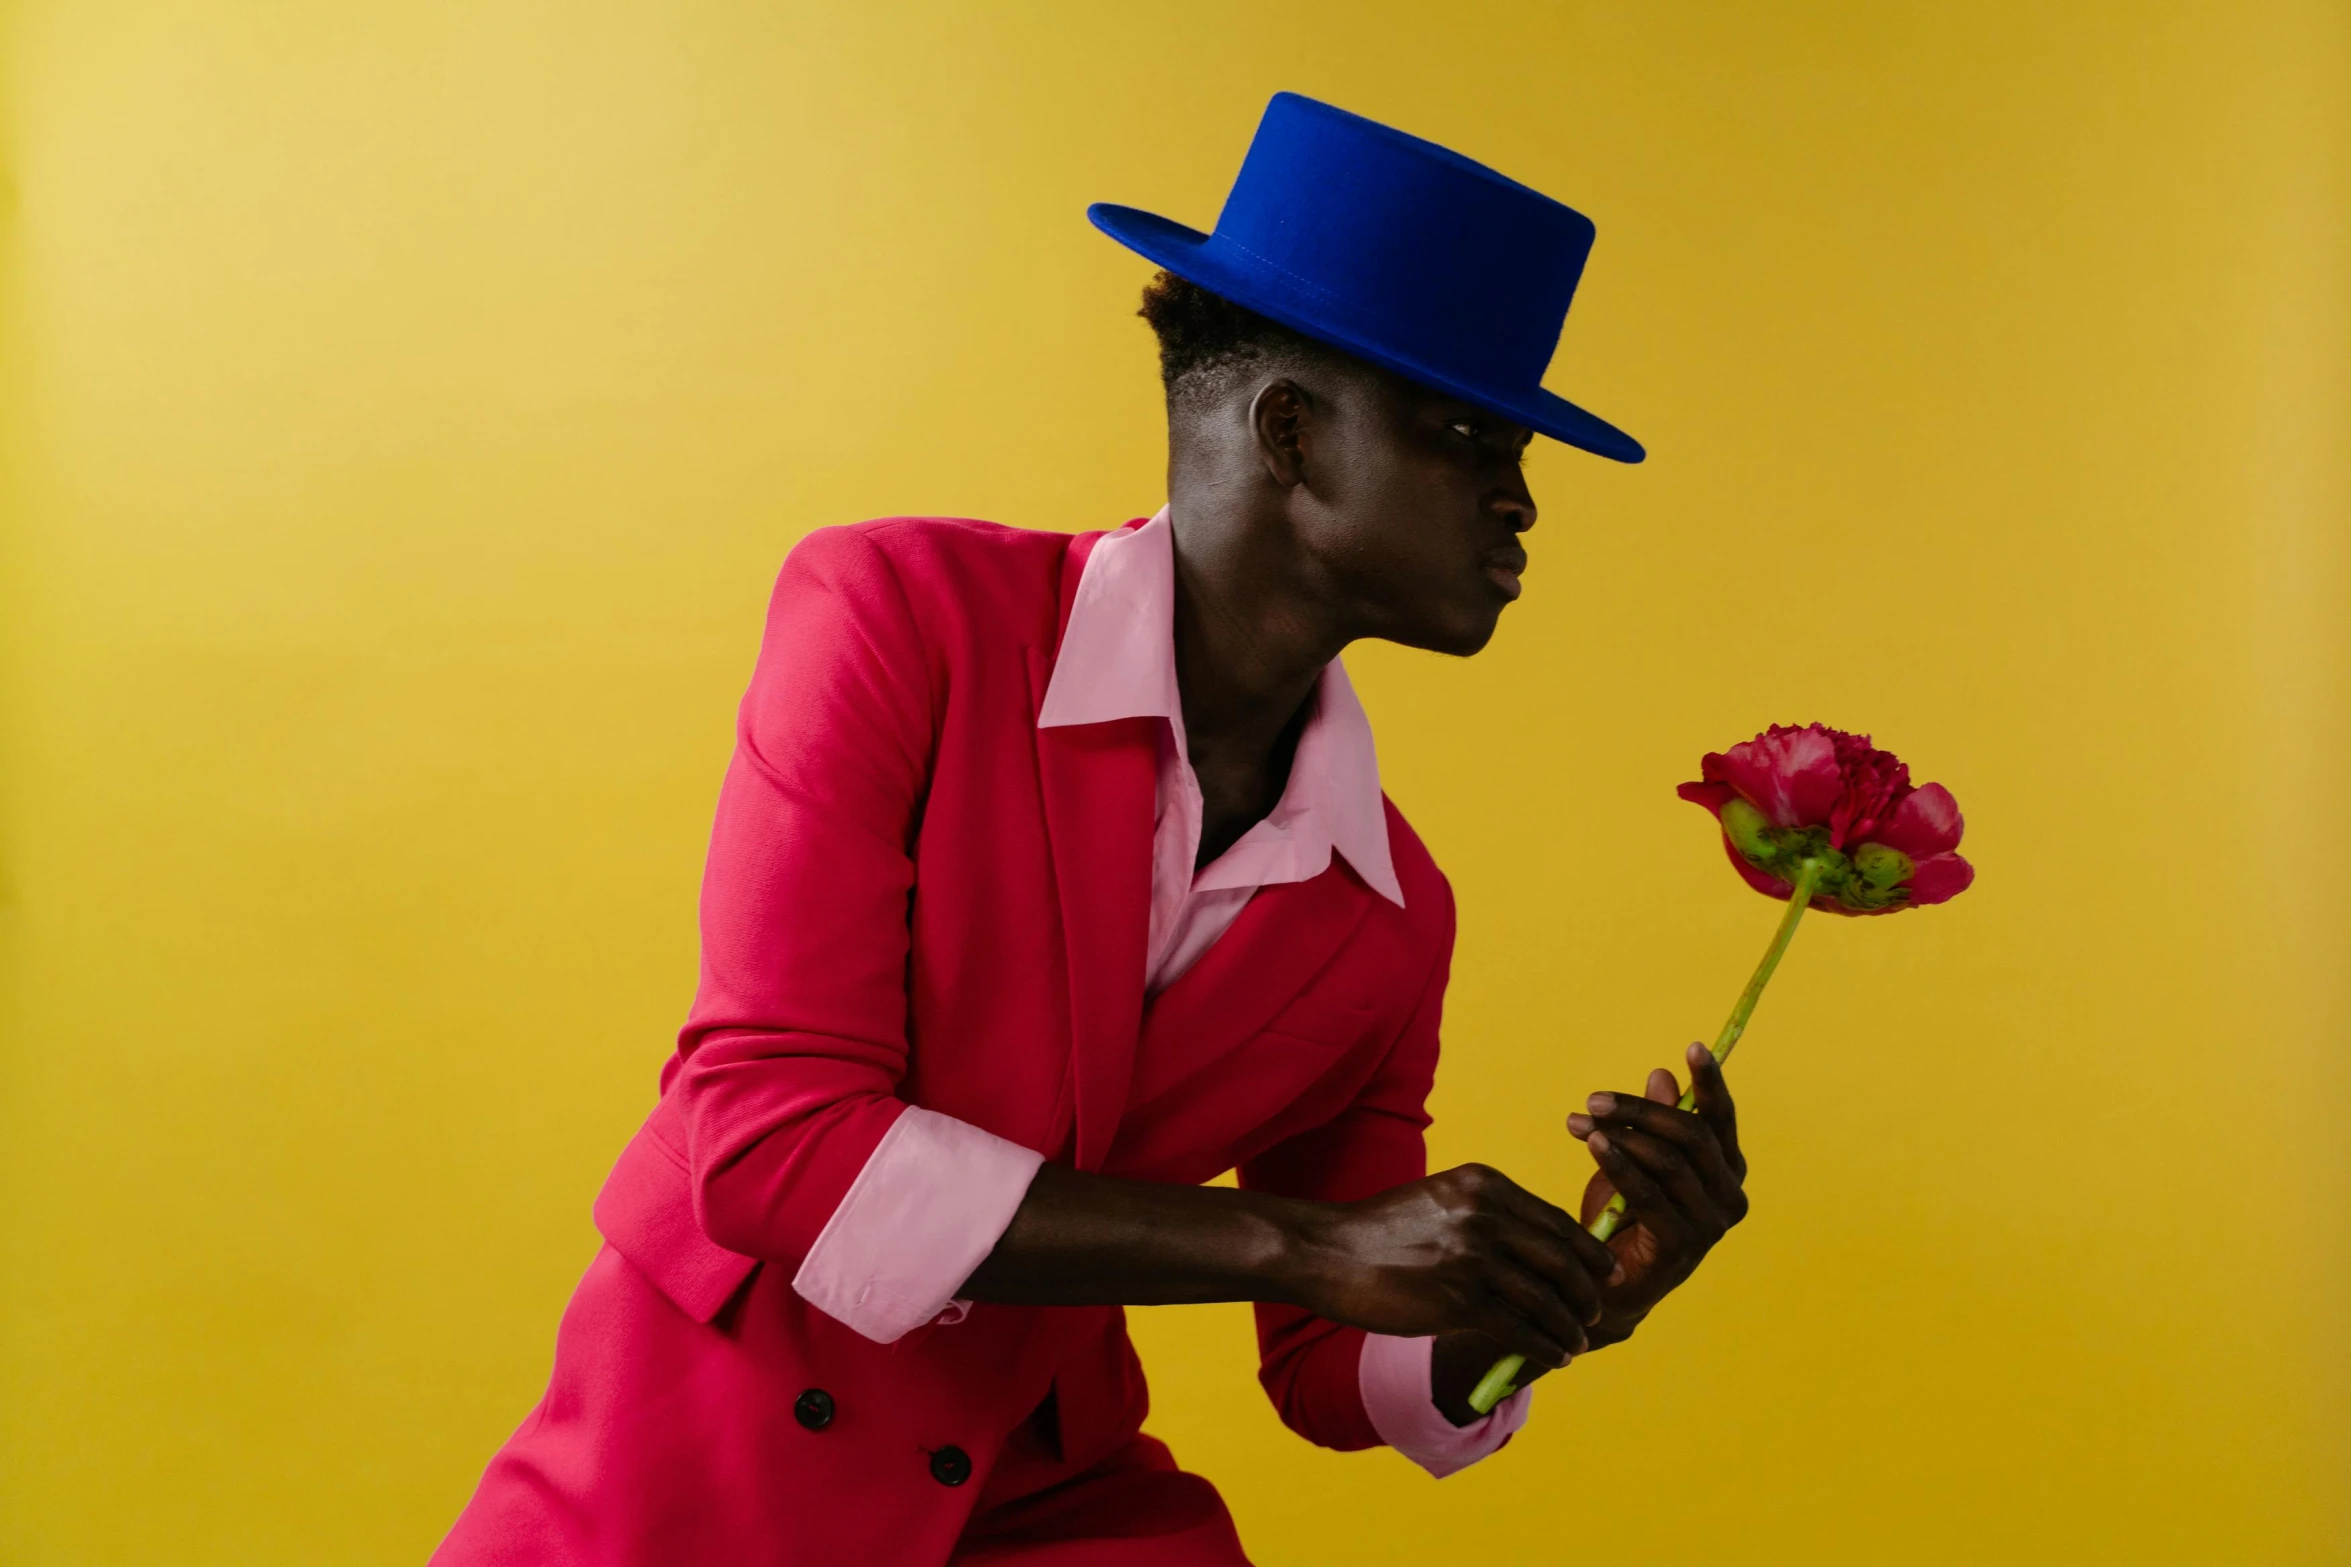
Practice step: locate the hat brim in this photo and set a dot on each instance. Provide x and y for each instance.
(1194, 256)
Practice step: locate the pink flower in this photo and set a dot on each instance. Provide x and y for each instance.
(1816, 793)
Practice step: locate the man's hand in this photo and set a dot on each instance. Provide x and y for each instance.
(1682, 1176)
(1683, 1179)
(1466, 1251)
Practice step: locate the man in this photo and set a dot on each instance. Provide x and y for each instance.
(1052, 878)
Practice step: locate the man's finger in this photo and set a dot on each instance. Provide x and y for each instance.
(1534, 1300)
(1713, 1096)
(1504, 1323)
(1597, 1259)
(1690, 1132)
(1675, 1176)
(1547, 1256)
(1641, 1194)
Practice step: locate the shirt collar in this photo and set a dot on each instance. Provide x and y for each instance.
(1117, 660)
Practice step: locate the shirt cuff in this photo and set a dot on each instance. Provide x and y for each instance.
(1393, 1374)
(923, 1213)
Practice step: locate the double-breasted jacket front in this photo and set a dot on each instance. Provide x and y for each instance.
(916, 896)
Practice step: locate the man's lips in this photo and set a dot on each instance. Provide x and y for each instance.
(1504, 567)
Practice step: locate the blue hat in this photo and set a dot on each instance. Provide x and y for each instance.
(1397, 251)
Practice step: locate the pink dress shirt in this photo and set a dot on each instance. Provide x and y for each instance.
(937, 1193)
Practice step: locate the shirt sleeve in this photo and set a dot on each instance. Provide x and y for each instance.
(924, 1212)
(1393, 1376)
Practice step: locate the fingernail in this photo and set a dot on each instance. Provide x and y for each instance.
(1617, 1277)
(1599, 1142)
(1602, 1104)
(1698, 1054)
(1580, 1125)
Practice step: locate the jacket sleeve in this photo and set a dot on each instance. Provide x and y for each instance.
(788, 1066)
(1309, 1366)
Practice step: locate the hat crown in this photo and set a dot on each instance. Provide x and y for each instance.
(1444, 257)
(1397, 251)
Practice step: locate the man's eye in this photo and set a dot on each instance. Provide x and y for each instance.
(1467, 429)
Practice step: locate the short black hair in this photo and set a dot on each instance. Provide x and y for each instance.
(1206, 341)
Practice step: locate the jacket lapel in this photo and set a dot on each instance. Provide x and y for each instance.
(1099, 782)
(1286, 938)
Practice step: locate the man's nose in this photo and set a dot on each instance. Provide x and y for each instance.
(1515, 506)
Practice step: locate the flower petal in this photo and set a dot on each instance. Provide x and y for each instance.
(1790, 775)
(1769, 886)
(1938, 879)
(1925, 824)
(1714, 796)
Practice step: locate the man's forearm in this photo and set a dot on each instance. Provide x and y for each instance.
(1465, 1249)
(1097, 1240)
(1085, 1240)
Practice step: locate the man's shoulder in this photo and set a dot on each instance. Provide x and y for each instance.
(955, 548)
(961, 587)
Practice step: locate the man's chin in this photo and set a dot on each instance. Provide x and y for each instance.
(1460, 637)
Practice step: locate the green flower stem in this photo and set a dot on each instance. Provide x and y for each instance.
(1499, 1382)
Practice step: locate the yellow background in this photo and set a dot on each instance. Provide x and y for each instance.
(408, 403)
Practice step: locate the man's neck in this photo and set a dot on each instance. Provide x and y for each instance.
(1250, 641)
(1250, 645)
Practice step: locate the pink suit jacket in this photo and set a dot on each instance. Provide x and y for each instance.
(915, 895)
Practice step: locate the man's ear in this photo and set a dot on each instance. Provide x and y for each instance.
(1278, 418)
